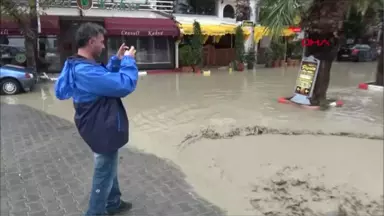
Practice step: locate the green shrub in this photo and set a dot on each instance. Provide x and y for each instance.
(185, 56)
(239, 45)
(197, 44)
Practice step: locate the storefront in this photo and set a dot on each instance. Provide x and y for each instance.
(12, 41)
(219, 36)
(154, 40)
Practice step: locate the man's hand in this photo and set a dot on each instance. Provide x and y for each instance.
(131, 52)
(120, 52)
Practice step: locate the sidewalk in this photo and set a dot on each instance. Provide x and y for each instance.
(46, 169)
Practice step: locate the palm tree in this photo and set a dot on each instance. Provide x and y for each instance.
(321, 20)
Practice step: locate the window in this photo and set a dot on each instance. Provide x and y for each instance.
(49, 56)
(11, 46)
(162, 50)
(149, 50)
(201, 7)
(49, 53)
(229, 12)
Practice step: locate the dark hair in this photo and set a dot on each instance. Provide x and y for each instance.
(86, 31)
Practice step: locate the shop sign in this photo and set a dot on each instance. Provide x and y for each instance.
(309, 42)
(129, 5)
(142, 33)
(247, 23)
(84, 4)
(306, 79)
(21, 58)
(130, 33)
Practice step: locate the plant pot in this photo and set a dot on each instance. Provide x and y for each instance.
(289, 62)
(240, 66)
(196, 69)
(276, 63)
(187, 69)
(250, 66)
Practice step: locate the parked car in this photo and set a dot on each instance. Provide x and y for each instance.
(15, 79)
(357, 53)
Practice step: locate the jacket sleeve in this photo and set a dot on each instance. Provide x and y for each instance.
(114, 64)
(100, 81)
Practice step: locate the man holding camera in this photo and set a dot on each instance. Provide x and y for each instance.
(100, 115)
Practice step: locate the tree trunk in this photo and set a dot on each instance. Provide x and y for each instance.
(31, 37)
(326, 55)
(323, 22)
(380, 65)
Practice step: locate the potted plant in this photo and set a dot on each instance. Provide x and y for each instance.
(250, 58)
(197, 42)
(186, 58)
(268, 57)
(239, 48)
(278, 52)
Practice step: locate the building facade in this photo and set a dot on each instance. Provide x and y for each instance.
(149, 25)
(140, 23)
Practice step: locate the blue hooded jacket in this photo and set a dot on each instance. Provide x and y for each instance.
(96, 90)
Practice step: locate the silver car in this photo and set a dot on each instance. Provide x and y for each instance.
(15, 79)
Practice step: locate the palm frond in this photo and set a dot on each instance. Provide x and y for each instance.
(276, 15)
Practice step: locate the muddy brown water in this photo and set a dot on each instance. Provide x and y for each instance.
(167, 107)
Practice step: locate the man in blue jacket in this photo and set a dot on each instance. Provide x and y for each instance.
(100, 115)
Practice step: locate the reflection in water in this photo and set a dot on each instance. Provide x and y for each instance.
(178, 103)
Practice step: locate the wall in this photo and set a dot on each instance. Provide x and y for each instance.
(223, 3)
(253, 3)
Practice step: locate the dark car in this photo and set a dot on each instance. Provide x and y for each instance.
(357, 53)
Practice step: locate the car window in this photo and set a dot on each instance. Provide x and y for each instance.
(361, 46)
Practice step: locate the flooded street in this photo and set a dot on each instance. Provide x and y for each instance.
(165, 108)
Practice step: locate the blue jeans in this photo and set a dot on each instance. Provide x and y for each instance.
(105, 194)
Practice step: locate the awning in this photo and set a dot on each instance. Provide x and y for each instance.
(9, 27)
(49, 26)
(213, 30)
(141, 27)
(260, 31)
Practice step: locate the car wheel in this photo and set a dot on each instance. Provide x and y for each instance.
(10, 86)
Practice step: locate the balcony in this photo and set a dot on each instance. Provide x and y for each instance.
(121, 5)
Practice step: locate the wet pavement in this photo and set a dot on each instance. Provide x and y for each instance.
(167, 107)
(46, 169)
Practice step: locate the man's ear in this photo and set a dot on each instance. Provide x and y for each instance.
(91, 41)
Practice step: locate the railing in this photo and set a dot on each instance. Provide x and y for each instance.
(125, 5)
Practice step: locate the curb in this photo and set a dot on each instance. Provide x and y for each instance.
(150, 72)
(369, 86)
(285, 100)
(44, 76)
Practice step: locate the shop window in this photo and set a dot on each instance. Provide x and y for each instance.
(150, 50)
(49, 53)
(162, 50)
(12, 47)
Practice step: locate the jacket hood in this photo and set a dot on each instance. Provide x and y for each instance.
(65, 83)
